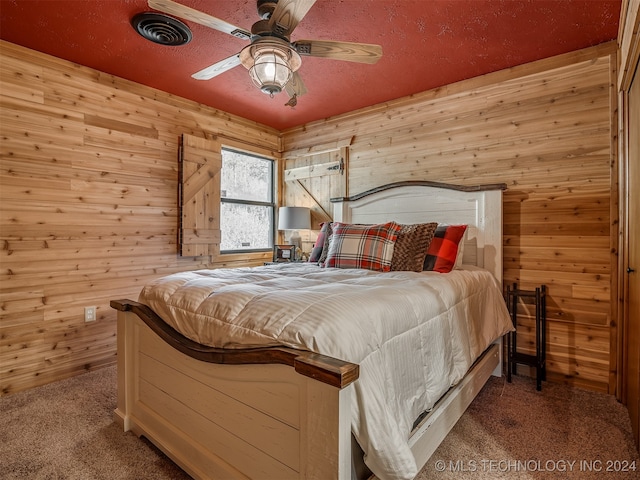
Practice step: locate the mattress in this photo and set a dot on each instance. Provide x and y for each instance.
(413, 334)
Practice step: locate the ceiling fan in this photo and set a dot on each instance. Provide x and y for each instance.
(271, 58)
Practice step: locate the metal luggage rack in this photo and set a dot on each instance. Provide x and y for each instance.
(514, 295)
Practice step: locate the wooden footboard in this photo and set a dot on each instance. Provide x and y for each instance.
(248, 415)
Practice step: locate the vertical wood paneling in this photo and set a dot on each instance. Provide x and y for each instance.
(545, 129)
(88, 206)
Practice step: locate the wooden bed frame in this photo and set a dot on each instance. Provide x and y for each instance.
(246, 413)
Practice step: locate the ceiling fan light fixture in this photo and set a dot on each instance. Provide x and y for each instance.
(270, 72)
(270, 64)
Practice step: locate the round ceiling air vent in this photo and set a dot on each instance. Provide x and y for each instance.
(162, 29)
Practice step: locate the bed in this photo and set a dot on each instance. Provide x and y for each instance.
(278, 404)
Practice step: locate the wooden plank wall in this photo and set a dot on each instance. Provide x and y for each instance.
(88, 195)
(545, 129)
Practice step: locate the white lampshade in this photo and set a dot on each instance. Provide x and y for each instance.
(294, 218)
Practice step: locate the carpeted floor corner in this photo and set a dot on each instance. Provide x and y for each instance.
(66, 430)
(512, 431)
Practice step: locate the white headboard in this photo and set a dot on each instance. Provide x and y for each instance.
(480, 207)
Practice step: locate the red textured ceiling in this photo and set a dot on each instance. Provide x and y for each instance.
(426, 44)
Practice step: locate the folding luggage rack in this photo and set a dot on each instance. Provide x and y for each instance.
(539, 297)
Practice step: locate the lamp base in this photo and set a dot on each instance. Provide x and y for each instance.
(296, 239)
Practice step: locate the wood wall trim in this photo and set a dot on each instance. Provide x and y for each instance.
(251, 148)
(422, 183)
(319, 149)
(331, 371)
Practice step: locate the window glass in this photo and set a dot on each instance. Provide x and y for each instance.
(247, 208)
(245, 177)
(245, 227)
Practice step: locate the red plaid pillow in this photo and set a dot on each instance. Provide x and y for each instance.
(362, 246)
(442, 252)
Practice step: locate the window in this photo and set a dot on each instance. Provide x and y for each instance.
(247, 206)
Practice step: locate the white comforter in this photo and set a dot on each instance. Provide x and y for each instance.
(414, 334)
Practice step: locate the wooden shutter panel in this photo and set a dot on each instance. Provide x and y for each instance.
(200, 165)
(314, 175)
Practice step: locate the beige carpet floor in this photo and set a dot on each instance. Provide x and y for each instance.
(511, 431)
(65, 431)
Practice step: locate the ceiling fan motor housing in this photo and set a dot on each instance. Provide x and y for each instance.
(266, 8)
(261, 29)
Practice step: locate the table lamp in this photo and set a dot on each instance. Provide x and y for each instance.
(293, 219)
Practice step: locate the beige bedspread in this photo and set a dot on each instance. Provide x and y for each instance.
(414, 334)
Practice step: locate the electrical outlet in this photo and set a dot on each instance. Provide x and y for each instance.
(90, 314)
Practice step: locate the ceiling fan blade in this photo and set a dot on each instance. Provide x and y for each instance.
(295, 86)
(187, 13)
(348, 51)
(287, 15)
(218, 68)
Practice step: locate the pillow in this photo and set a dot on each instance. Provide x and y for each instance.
(318, 246)
(442, 253)
(325, 246)
(411, 246)
(362, 246)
